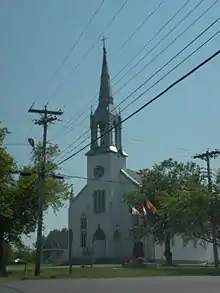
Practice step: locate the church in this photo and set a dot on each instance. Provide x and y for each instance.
(98, 216)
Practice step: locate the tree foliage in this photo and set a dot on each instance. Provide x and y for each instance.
(196, 211)
(56, 191)
(167, 185)
(19, 196)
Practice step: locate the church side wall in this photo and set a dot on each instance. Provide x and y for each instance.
(190, 251)
(124, 216)
(117, 215)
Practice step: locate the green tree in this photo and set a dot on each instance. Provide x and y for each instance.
(164, 185)
(19, 197)
(23, 252)
(7, 196)
(56, 190)
(197, 209)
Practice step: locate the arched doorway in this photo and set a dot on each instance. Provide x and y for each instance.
(138, 249)
(99, 243)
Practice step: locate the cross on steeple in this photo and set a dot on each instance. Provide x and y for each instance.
(103, 42)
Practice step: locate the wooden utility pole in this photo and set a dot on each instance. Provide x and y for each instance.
(206, 157)
(47, 116)
(70, 232)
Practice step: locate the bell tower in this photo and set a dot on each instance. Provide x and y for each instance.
(105, 121)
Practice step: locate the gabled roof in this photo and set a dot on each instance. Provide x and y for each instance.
(132, 176)
(77, 195)
(57, 239)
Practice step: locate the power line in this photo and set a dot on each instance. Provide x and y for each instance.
(66, 176)
(73, 46)
(164, 49)
(139, 27)
(176, 66)
(64, 152)
(92, 46)
(196, 68)
(165, 75)
(170, 71)
(73, 120)
(71, 128)
(14, 145)
(158, 43)
(169, 20)
(70, 148)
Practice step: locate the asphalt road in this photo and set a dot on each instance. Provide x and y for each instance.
(184, 284)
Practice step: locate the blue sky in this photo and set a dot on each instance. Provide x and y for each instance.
(36, 36)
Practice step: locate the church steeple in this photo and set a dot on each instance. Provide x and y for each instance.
(105, 120)
(105, 93)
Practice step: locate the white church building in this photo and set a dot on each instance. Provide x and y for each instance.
(98, 216)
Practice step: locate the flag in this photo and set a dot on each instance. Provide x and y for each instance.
(143, 209)
(151, 207)
(135, 212)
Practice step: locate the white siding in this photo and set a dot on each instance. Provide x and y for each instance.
(116, 185)
(189, 253)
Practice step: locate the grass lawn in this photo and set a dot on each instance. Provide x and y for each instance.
(106, 272)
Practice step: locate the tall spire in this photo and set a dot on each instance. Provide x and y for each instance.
(105, 94)
(105, 122)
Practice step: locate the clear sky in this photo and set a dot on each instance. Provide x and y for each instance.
(36, 36)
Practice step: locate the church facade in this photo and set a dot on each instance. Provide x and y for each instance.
(98, 216)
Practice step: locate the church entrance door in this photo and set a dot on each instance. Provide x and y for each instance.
(99, 248)
(99, 242)
(138, 249)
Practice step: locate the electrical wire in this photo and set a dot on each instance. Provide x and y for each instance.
(166, 23)
(82, 111)
(71, 128)
(189, 73)
(61, 86)
(139, 27)
(73, 46)
(14, 145)
(176, 55)
(161, 40)
(107, 181)
(70, 148)
(175, 67)
(168, 62)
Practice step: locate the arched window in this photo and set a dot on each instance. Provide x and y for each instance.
(102, 207)
(114, 136)
(99, 201)
(83, 228)
(103, 131)
(83, 223)
(83, 239)
(95, 201)
(98, 135)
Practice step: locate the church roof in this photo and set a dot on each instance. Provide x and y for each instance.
(132, 175)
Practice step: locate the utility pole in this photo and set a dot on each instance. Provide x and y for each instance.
(206, 157)
(47, 116)
(70, 232)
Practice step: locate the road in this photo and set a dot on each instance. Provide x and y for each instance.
(184, 284)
